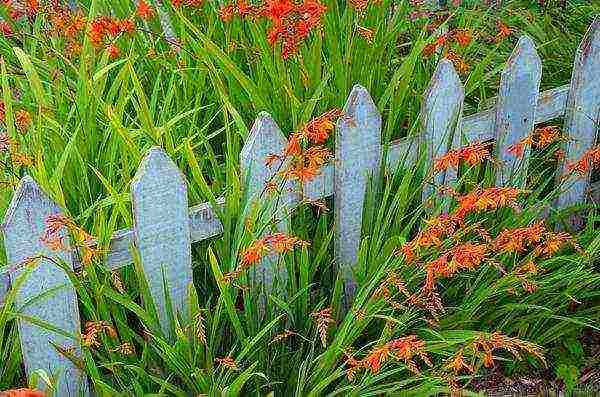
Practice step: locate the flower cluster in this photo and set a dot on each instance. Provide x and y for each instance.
(322, 319)
(242, 9)
(60, 21)
(472, 154)
(462, 37)
(467, 256)
(291, 23)
(22, 393)
(53, 237)
(273, 243)
(483, 348)
(487, 199)
(105, 29)
(22, 118)
(404, 349)
(227, 362)
(361, 5)
(589, 160)
(305, 161)
(93, 329)
(540, 138)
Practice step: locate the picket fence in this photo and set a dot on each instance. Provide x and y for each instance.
(165, 227)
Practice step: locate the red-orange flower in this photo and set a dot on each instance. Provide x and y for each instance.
(144, 10)
(22, 393)
(462, 37)
(503, 31)
(318, 129)
(227, 362)
(112, 51)
(366, 33)
(226, 12)
(22, 120)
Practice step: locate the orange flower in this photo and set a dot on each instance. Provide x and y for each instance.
(473, 154)
(277, 10)
(244, 9)
(318, 129)
(112, 51)
(226, 12)
(322, 319)
(22, 120)
(517, 240)
(429, 50)
(503, 31)
(227, 362)
(144, 10)
(546, 135)
(253, 254)
(449, 160)
(485, 200)
(589, 160)
(457, 363)
(359, 5)
(271, 159)
(293, 147)
(22, 393)
(462, 37)
(21, 159)
(32, 7)
(281, 242)
(92, 331)
(366, 33)
(405, 349)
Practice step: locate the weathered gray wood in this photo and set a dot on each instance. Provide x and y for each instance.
(23, 228)
(480, 126)
(162, 231)
(4, 287)
(357, 159)
(516, 108)
(167, 26)
(582, 112)
(266, 138)
(440, 114)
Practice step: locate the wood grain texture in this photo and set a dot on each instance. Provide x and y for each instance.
(162, 231)
(582, 113)
(266, 138)
(515, 110)
(440, 114)
(357, 159)
(23, 227)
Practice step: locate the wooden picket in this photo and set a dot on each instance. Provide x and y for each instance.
(358, 157)
(165, 227)
(162, 231)
(266, 139)
(46, 294)
(515, 110)
(440, 115)
(582, 113)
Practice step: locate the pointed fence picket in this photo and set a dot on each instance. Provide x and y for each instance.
(357, 160)
(582, 113)
(165, 227)
(515, 110)
(46, 298)
(162, 232)
(266, 139)
(440, 115)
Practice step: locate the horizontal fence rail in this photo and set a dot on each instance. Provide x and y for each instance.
(165, 227)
